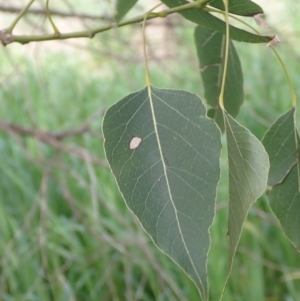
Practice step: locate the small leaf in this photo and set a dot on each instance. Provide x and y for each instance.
(123, 7)
(261, 22)
(284, 200)
(248, 175)
(282, 144)
(211, 52)
(209, 21)
(239, 7)
(274, 41)
(169, 181)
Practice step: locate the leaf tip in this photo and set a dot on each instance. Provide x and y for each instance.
(260, 21)
(274, 41)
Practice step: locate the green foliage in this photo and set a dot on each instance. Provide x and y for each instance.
(264, 264)
(285, 202)
(208, 21)
(239, 7)
(122, 7)
(142, 129)
(211, 54)
(165, 153)
(248, 167)
(155, 183)
(282, 144)
(85, 249)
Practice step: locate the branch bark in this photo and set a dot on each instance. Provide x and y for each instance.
(24, 39)
(54, 12)
(53, 139)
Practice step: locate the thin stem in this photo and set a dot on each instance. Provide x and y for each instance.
(221, 97)
(20, 15)
(292, 90)
(91, 33)
(221, 104)
(57, 12)
(148, 82)
(56, 31)
(293, 94)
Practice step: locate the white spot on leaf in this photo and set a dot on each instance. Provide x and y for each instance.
(134, 142)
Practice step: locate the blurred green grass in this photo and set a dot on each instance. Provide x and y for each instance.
(66, 233)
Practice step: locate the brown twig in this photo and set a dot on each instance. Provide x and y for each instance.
(54, 12)
(6, 37)
(42, 135)
(53, 139)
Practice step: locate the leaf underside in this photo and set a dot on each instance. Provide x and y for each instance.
(123, 7)
(211, 54)
(248, 175)
(282, 144)
(169, 181)
(238, 7)
(208, 21)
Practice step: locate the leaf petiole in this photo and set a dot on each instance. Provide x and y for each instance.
(19, 17)
(56, 31)
(221, 97)
(148, 81)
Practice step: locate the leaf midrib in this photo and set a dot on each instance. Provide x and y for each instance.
(168, 187)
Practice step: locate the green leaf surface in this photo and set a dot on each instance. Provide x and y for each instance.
(248, 175)
(123, 7)
(211, 22)
(282, 143)
(217, 116)
(169, 180)
(239, 7)
(284, 200)
(211, 54)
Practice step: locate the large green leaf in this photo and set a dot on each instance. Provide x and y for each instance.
(282, 144)
(164, 153)
(239, 7)
(122, 8)
(211, 54)
(284, 200)
(248, 175)
(209, 21)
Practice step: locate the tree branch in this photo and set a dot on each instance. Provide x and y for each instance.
(41, 135)
(6, 37)
(53, 139)
(54, 12)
